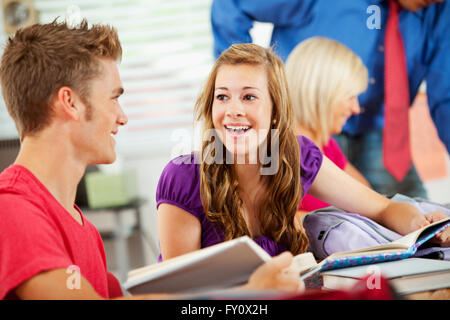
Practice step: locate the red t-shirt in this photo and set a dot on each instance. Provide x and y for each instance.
(334, 153)
(37, 234)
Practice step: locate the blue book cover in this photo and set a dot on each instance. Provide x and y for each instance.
(395, 269)
(399, 249)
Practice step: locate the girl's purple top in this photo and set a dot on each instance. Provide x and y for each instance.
(179, 185)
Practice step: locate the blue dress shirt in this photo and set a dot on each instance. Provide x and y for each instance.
(360, 25)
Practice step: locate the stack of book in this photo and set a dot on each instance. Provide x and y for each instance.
(406, 276)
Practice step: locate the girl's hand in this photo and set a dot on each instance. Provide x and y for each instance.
(443, 238)
(418, 222)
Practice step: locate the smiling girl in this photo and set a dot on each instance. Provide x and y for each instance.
(201, 204)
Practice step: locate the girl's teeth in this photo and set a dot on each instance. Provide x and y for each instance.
(238, 129)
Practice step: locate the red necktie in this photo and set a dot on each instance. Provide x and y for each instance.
(396, 147)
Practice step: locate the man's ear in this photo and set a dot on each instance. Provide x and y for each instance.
(69, 103)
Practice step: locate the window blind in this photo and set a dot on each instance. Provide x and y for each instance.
(167, 54)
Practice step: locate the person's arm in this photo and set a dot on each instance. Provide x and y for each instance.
(438, 81)
(299, 217)
(334, 186)
(339, 158)
(232, 20)
(52, 285)
(179, 231)
(355, 174)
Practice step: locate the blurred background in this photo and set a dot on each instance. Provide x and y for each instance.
(167, 54)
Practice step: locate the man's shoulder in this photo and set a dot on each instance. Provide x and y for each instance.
(17, 177)
(13, 180)
(18, 189)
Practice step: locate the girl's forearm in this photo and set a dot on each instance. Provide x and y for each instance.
(402, 218)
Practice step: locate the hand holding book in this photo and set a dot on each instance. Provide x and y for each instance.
(238, 263)
(279, 273)
(443, 237)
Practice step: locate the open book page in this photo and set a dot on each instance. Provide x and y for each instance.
(422, 234)
(354, 258)
(404, 243)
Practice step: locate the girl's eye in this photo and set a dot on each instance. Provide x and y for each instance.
(221, 97)
(249, 97)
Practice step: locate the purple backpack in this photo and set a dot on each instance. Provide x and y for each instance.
(332, 230)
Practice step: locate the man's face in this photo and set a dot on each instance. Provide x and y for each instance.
(414, 5)
(105, 116)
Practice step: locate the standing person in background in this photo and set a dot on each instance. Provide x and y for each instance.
(325, 79)
(401, 42)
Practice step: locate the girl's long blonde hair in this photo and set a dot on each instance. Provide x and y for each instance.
(320, 73)
(218, 181)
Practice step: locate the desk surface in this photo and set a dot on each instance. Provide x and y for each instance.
(441, 294)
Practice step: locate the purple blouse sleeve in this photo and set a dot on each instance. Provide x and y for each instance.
(310, 162)
(179, 185)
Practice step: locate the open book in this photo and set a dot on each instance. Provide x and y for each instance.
(401, 248)
(220, 266)
(232, 262)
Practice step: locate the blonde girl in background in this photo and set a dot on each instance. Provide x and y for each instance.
(325, 79)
